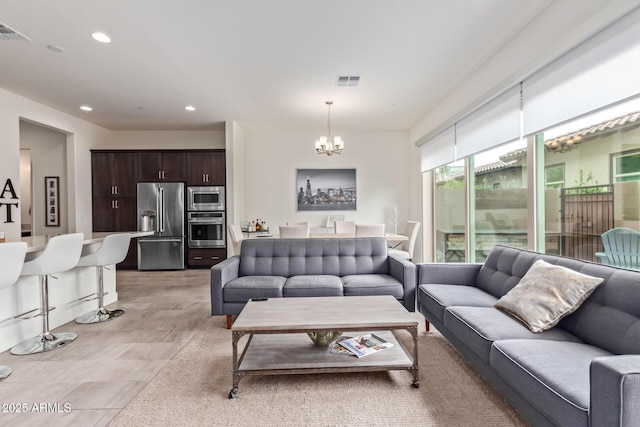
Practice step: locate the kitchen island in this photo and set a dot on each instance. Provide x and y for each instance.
(67, 293)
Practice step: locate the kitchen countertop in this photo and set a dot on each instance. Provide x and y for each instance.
(38, 243)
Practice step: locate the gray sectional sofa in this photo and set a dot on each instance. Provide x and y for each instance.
(277, 268)
(585, 371)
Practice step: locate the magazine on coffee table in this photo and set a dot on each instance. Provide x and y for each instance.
(365, 345)
(336, 348)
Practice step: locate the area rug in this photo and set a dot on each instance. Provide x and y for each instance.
(192, 390)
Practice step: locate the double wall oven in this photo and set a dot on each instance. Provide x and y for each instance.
(206, 217)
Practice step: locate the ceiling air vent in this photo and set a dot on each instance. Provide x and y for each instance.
(8, 33)
(347, 81)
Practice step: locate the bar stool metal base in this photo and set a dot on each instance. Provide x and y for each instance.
(100, 315)
(44, 342)
(5, 371)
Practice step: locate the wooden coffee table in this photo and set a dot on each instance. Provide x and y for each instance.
(278, 342)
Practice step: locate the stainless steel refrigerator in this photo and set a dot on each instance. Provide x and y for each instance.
(161, 210)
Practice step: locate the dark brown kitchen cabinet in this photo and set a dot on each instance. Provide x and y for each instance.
(113, 174)
(117, 214)
(162, 166)
(116, 173)
(205, 257)
(206, 167)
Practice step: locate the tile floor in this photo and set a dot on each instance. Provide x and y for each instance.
(109, 363)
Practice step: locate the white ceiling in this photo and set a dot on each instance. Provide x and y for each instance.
(258, 62)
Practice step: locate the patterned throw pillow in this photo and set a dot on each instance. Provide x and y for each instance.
(546, 294)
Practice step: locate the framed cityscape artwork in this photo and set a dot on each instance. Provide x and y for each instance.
(326, 189)
(52, 201)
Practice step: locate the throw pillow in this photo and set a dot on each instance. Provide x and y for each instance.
(546, 294)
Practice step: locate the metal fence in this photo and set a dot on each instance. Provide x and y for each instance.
(586, 213)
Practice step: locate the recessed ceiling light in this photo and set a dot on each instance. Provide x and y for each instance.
(86, 108)
(55, 48)
(190, 108)
(101, 37)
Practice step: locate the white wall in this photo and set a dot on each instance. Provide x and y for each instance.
(381, 160)
(168, 140)
(235, 154)
(81, 136)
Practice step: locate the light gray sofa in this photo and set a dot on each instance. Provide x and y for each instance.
(585, 371)
(277, 268)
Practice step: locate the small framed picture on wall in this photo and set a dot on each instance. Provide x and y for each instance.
(52, 201)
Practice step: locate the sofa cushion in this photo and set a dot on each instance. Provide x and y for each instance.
(552, 375)
(372, 284)
(480, 327)
(546, 294)
(313, 286)
(436, 298)
(244, 288)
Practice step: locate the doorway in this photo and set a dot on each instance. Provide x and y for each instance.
(47, 152)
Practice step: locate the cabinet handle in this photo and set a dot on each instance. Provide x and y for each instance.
(207, 175)
(203, 178)
(116, 187)
(159, 174)
(116, 204)
(215, 258)
(162, 174)
(197, 258)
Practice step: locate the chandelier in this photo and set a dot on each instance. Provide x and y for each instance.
(326, 144)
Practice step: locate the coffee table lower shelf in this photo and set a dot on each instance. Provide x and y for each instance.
(294, 353)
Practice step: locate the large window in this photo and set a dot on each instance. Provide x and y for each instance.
(499, 194)
(579, 173)
(497, 204)
(600, 154)
(450, 213)
(589, 177)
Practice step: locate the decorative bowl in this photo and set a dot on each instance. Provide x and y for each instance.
(323, 339)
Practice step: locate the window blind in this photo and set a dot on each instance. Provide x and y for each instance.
(491, 125)
(599, 72)
(439, 150)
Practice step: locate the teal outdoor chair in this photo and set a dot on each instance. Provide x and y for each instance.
(621, 248)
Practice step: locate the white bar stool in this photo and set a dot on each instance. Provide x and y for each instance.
(113, 250)
(11, 261)
(61, 254)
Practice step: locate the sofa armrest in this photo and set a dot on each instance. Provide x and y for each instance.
(615, 391)
(221, 274)
(448, 273)
(405, 272)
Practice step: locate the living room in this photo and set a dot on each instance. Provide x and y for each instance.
(263, 156)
